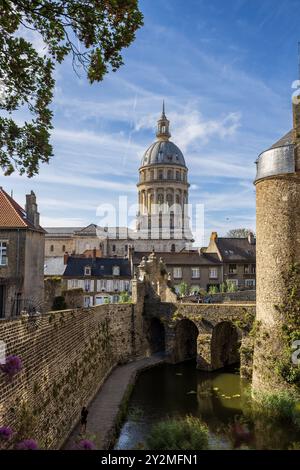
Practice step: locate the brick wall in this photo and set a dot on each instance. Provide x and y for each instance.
(66, 356)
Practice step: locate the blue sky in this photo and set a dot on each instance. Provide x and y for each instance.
(225, 70)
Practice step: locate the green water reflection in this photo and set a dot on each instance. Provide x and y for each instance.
(218, 398)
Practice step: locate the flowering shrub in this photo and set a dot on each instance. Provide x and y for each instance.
(85, 444)
(5, 433)
(12, 366)
(27, 444)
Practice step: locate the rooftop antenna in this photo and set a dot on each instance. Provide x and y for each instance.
(12, 193)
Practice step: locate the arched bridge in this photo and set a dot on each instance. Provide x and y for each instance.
(210, 333)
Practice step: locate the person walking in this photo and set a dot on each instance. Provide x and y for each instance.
(83, 420)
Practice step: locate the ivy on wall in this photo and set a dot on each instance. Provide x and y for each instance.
(289, 311)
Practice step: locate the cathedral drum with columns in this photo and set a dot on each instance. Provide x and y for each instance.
(163, 192)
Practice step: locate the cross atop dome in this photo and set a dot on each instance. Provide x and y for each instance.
(163, 132)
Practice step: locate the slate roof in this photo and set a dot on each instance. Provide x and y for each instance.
(236, 249)
(61, 231)
(12, 215)
(101, 267)
(90, 230)
(287, 139)
(192, 258)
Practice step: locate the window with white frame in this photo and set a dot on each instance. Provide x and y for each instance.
(250, 282)
(196, 273)
(3, 253)
(87, 301)
(127, 286)
(213, 273)
(102, 285)
(246, 268)
(74, 283)
(177, 273)
(87, 270)
(116, 270)
(87, 285)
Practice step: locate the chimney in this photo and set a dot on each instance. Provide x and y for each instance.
(251, 239)
(214, 236)
(296, 128)
(66, 257)
(32, 213)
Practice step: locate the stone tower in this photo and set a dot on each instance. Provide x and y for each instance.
(277, 250)
(163, 190)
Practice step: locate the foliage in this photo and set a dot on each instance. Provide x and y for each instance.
(27, 444)
(239, 233)
(135, 413)
(240, 433)
(92, 32)
(124, 298)
(187, 433)
(85, 444)
(223, 287)
(213, 290)
(231, 286)
(5, 433)
(294, 446)
(53, 279)
(280, 405)
(12, 366)
(228, 286)
(289, 310)
(183, 289)
(59, 303)
(107, 300)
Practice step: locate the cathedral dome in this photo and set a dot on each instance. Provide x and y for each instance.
(163, 151)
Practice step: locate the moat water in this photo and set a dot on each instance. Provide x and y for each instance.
(218, 398)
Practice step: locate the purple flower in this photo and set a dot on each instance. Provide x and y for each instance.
(12, 366)
(27, 444)
(5, 433)
(85, 444)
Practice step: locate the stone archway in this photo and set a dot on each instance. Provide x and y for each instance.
(224, 345)
(186, 334)
(156, 336)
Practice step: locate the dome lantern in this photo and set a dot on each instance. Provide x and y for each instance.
(163, 123)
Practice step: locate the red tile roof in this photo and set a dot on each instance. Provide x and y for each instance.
(11, 214)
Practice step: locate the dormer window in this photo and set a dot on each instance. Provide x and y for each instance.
(87, 270)
(116, 270)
